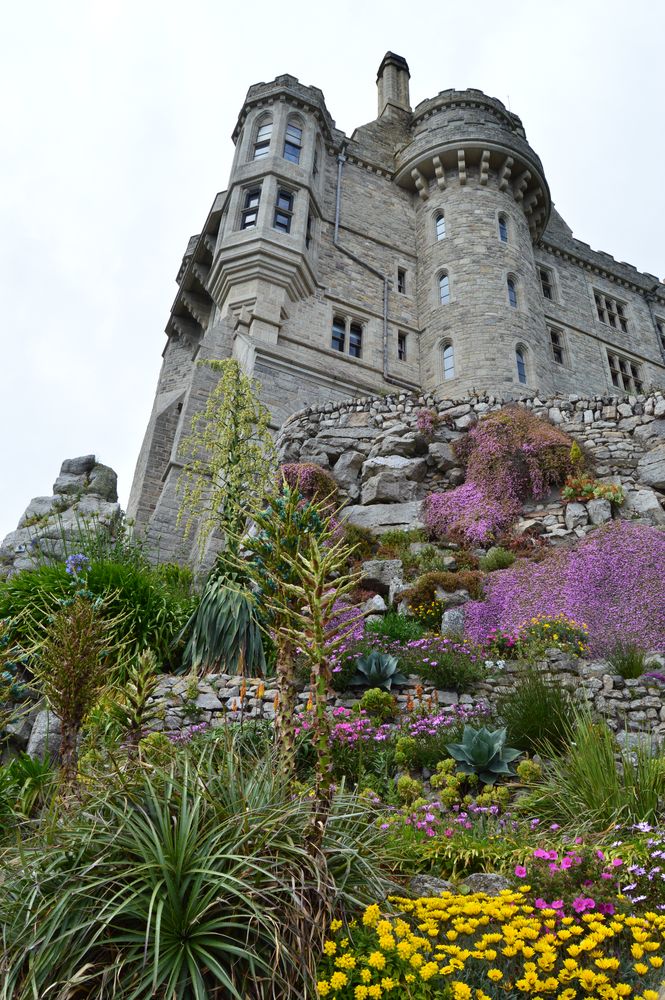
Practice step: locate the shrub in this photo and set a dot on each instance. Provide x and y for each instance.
(424, 590)
(448, 665)
(362, 539)
(496, 558)
(627, 659)
(379, 705)
(585, 789)
(312, 481)
(193, 881)
(394, 544)
(509, 455)
(552, 632)
(408, 789)
(612, 581)
(423, 743)
(395, 627)
(584, 488)
(536, 712)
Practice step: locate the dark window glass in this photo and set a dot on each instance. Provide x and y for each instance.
(512, 293)
(338, 334)
(401, 281)
(503, 229)
(521, 365)
(401, 346)
(557, 346)
(440, 227)
(444, 289)
(308, 232)
(283, 211)
(355, 340)
(546, 283)
(293, 143)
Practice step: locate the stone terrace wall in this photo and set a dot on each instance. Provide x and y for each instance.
(385, 466)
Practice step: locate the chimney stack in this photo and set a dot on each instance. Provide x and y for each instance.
(393, 83)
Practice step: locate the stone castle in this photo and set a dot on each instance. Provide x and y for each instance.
(422, 254)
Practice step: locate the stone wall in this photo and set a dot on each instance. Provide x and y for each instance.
(385, 466)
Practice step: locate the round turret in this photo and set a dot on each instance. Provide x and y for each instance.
(483, 202)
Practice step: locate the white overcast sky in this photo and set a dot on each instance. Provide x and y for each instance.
(115, 136)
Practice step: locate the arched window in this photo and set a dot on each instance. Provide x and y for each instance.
(440, 226)
(448, 361)
(293, 142)
(503, 229)
(520, 358)
(263, 137)
(444, 289)
(512, 292)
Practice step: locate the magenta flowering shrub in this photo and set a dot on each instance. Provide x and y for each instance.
(612, 582)
(575, 878)
(509, 455)
(426, 422)
(311, 480)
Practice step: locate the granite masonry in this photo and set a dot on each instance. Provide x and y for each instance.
(421, 253)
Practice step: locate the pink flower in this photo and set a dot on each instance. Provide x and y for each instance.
(520, 871)
(566, 862)
(616, 862)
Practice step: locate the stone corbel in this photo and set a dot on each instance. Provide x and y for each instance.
(521, 184)
(439, 172)
(198, 306)
(505, 172)
(461, 166)
(421, 183)
(484, 166)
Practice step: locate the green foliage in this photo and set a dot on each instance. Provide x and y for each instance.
(229, 457)
(552, 632)
(536, 712)
(379, 670)
(628, 660)
(394, 544)
(24, 785)
(447, 666)
(529, 771)
(380, 706)
(191, 882)
(361, 540)
(224, 632)
(496, 558)
(147, 612)
(425, 588)
(595, 785)
(71, 670)
(408, 789)
(131, 706)
(395, 627)
(483, 753)
(583, 488)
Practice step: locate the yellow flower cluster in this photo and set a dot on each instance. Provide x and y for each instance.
(478, 947)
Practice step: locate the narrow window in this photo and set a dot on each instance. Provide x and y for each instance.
(308, 232)
(660, 327)
(611, 312)
(292, 143)
(283, 211)
(355, 340)
(503, 229)
(401, 346)
(315, 167)
(521, 364)
(556, 343)
(401, 281)
(250, 209)
(448, 361)
(546, 282)
(263, 137)
(338, 334)
(512, 293)
(444, 289)
(440, 226)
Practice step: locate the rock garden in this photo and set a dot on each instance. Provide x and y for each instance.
(405, 740)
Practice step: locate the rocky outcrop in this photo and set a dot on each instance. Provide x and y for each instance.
(84, 498)
(385, 462)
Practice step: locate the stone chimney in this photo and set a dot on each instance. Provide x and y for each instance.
(392, 81)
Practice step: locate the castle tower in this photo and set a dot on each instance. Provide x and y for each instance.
(422, 252)
(483, 202)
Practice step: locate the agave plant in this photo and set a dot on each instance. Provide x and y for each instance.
(483, 753)
(377, 670)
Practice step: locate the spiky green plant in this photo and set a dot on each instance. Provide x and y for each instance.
(483, 753)
(377, 670)
(131, 705)
(224, 631)
(191, 883)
